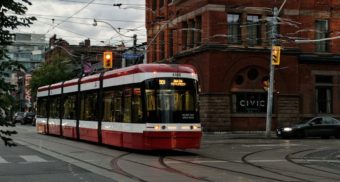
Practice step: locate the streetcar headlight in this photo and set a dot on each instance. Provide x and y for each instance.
(195, 127)
(157, 127)
(185, 127)
(287, 129)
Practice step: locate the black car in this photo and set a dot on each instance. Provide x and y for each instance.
(322, 126)
(18, 117)
(29, 117)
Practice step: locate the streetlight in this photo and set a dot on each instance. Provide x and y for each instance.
(95, 23)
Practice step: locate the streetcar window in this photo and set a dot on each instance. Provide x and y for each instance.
(127, 106)
(70, 107)
(88, 106)
(42, 107)
(137, 112)
(54, 107)
(150, 100)
(109, 103)
(118, 116)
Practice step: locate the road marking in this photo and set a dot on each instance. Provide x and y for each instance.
(3, 161)
(198, 162)
(32, 158)
(272, 145)
(316, 160)
(267, 160)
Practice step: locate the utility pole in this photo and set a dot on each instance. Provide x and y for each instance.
(271, 76)
(82, 65)
(134, 43)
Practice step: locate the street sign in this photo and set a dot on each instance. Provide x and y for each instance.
(276, 52)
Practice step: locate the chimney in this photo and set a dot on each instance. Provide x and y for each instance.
(87, 43)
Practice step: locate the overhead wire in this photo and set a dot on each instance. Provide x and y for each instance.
(81, 9)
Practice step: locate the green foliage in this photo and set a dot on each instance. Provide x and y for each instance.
(60, 69)
(11, 17)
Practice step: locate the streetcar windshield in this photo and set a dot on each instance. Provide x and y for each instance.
(171, 101)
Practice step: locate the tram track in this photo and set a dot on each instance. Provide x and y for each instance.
(274, 170)
(289, 158)
(222, 169)
(116, 167)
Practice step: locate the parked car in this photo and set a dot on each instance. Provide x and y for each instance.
(18, 117)
(321, 126)
(29, 117)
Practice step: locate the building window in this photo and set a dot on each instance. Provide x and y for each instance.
(154, 4)
(171, 43)
(198, 39)
(269, 32)
(321, 33)
(161, 45)
(191, 34)
(254, 33)
(184, 35)
(234, 30)
(323, 93)
(154, 52)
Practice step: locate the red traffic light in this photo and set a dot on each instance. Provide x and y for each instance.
(107, 59)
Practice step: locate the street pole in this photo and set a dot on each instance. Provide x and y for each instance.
(82, 64)
(134, 43)
(271, 76)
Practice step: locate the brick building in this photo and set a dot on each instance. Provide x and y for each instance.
(229, 41)
(92, 55)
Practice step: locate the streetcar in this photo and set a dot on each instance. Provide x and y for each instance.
(144, 107)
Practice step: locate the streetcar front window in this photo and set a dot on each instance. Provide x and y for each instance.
(171, 103)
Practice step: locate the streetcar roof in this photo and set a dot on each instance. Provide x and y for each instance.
(140, 68)
(175, 68)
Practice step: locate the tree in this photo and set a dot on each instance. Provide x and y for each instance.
(8, 23)
(59, 69)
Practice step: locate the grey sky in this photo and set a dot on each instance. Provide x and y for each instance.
(72, 20)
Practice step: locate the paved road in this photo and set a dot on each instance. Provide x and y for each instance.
(18, 164)
(222, 157)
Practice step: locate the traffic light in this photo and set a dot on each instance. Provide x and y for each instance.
(276, 52)
(107, 59)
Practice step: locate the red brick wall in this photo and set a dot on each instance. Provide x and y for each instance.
(219, 63)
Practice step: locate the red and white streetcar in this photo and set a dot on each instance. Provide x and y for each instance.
(146, 106)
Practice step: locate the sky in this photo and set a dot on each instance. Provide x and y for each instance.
(72, 20)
